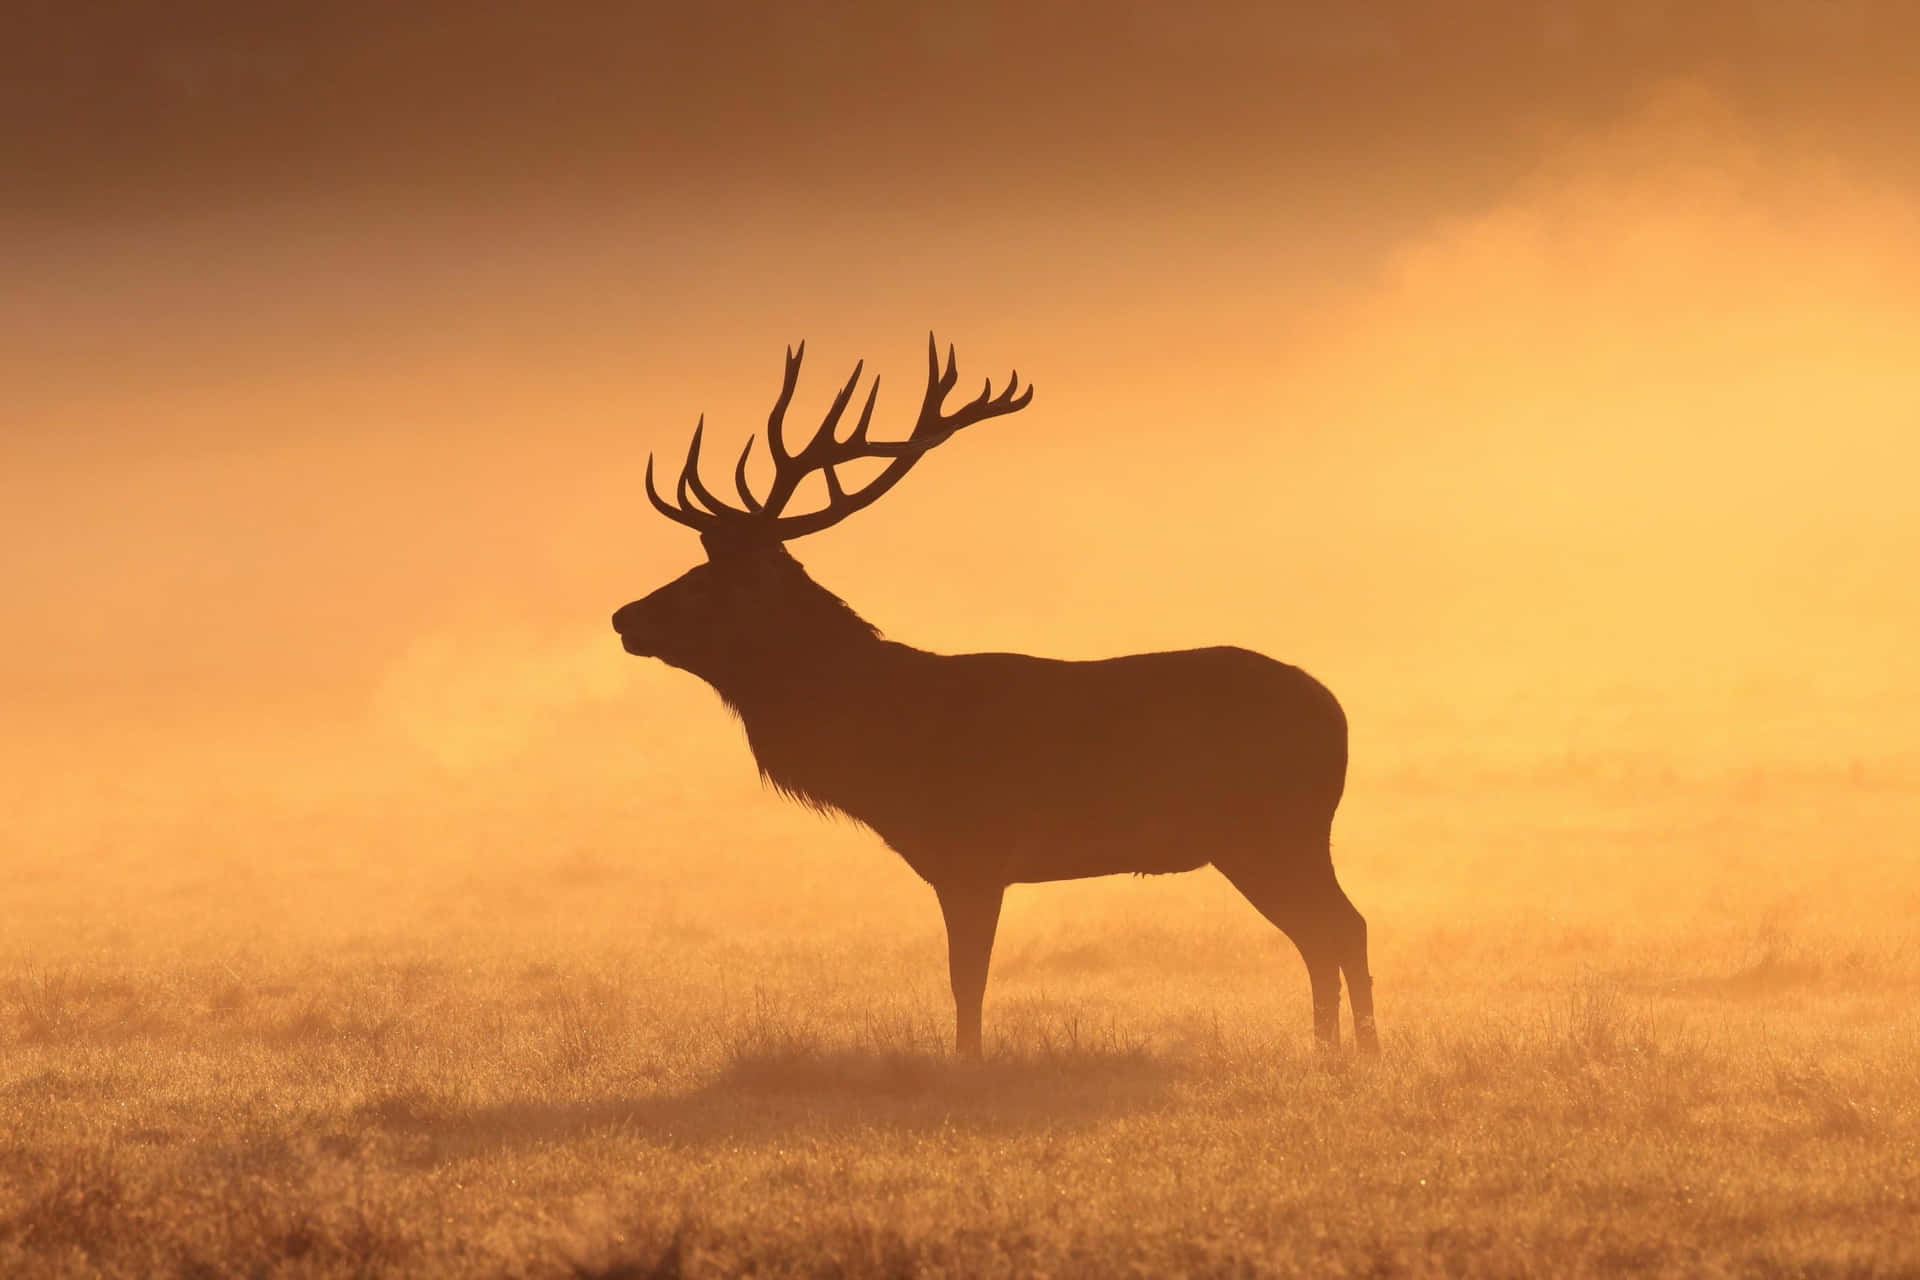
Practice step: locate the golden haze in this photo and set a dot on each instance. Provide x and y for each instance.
(1594, 506)
(1618, 464)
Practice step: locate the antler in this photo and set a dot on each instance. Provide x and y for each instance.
(699, 508)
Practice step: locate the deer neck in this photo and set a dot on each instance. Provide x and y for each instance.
(803, 681)
(810, 715)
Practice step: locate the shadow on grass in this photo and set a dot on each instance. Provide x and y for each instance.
(777, 1092)
(1772, 973)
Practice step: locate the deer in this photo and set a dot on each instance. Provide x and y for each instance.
(986, 770)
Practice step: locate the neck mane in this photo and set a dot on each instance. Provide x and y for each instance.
(796, 695)
(814, 646)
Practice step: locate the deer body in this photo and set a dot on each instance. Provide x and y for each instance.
(1028, 769)
(989, 769)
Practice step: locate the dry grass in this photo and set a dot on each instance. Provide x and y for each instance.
(1668, 1029)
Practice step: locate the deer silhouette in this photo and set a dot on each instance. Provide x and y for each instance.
(983, 770)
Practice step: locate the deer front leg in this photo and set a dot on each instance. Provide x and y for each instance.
(972, 913)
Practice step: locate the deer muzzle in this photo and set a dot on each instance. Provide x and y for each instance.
(635, 634)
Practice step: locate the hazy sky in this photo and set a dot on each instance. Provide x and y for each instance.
(1538, 376)
(114, 107)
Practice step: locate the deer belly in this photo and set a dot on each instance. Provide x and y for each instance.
(1016, 847)
(1104, 844)
(1074, 860)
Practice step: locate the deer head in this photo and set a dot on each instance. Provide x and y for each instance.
(751, 598)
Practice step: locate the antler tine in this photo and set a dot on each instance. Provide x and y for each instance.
(776, 425)
(938, 383)
(678, 515)
(740, 478)
(690, 479)
(1006, 401)
(835, 494)
(680, 495)
(935, 426)
(824, 437)
(859, 436)
(822, 450)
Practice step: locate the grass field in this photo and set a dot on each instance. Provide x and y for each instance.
(1636, 1021)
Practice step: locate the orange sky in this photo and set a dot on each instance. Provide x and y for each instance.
(1544, 384)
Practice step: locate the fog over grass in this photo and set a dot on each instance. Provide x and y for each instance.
(369, 911)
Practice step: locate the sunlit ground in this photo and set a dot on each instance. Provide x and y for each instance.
(1633, 1019)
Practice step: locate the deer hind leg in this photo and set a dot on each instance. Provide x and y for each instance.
(1306, 903)
(973, 914)
(1350, 939)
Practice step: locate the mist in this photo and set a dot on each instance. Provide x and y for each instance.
(1613, 463)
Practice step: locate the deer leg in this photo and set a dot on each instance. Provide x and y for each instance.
(1349, 929)
(972, 913)
(1299, 906)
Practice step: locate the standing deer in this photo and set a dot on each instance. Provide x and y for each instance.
(989, 769)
